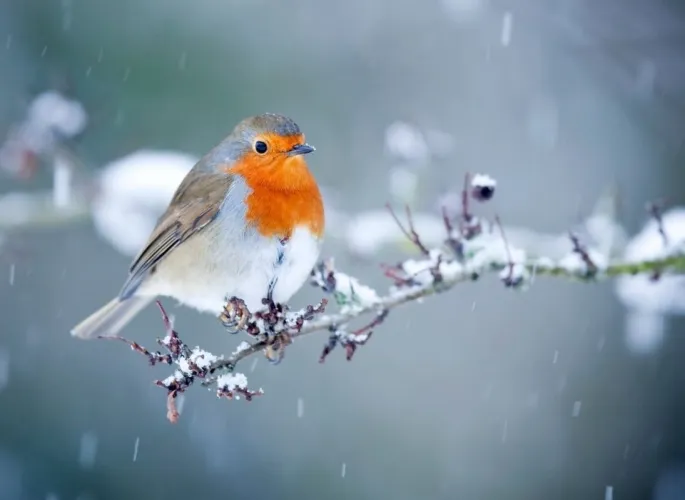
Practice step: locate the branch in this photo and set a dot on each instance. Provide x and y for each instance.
(467, 254)
(469, 250)
(220, 372)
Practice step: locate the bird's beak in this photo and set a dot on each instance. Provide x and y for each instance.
(301, 149)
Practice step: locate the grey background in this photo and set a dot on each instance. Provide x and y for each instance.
(448, 400)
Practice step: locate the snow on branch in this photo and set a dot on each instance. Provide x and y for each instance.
(472, 248)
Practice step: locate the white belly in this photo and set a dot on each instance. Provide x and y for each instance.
(219, 263)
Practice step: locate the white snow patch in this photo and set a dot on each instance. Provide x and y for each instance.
(574, 263)
(243, 346)
(483, 180)
(361, 295)
(230, 381)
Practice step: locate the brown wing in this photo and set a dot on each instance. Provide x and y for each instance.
(195, 204)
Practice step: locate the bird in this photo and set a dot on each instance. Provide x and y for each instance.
(247, 221)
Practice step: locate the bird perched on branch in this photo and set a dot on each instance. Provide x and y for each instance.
(247, 221)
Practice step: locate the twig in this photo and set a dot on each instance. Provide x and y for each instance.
(465, 212)
(579, 249)
(455, 245)
(656, 210)
(410, 233)
(153, 357)
(380, 317)
(509, 278)
(469, 224)
(351, 341)
(395, 274)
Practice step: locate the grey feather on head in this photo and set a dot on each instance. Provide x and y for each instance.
(244, 134)
(269, 123)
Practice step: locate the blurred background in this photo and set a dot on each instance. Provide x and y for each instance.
(480, 393)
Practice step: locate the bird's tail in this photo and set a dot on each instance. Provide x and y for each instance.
(110, 318)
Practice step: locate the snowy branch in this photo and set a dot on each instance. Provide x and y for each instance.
(472, 248)
(126, 196)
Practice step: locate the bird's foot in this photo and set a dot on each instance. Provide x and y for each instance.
(275, 350)
(235, 315)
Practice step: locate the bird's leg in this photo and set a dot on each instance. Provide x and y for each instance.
(235, 315)
(273, 319)
(270, 295)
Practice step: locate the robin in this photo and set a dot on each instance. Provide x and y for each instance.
(246, 221)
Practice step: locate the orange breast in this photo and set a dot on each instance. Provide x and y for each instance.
(284, 195)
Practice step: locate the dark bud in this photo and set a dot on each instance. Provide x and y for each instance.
(482, 187)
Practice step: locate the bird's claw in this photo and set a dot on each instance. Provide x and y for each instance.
(275, 350)
(235, 315)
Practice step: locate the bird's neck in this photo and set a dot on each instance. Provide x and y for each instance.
(282, 198)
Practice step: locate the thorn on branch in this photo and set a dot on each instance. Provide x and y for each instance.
(331, 344)
(446, 220)
(397, 274)
(581, 251)
(352, 344)
(350, 341)
(409, 232)
(310, 313)
(453, 243)
(656, 210)
(465, 212)
(380, 318)
(513, 276)
(435, 271)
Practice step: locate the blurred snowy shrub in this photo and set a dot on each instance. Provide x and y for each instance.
(50, 118)
(650, 301)
(407, 143)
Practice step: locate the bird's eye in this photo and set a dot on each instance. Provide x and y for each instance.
(260, 147)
